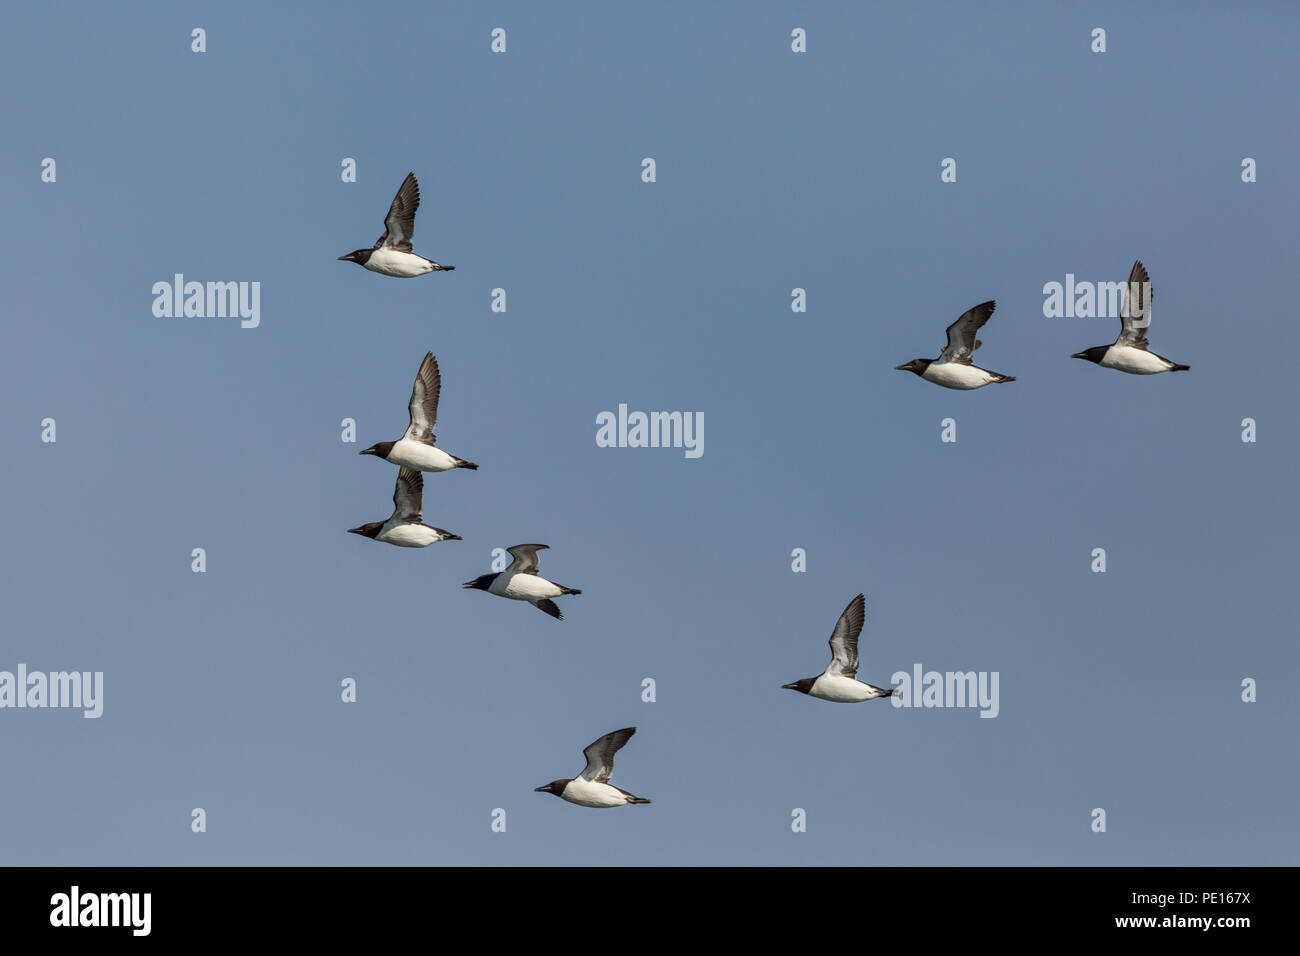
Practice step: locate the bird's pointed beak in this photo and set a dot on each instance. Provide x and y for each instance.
(1078, 355)
(789, 686)
(903, 368)
(354, 530)
(542, 789)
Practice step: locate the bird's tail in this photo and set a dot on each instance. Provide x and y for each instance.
(883, 692)
(637, 800)
(1179, 368)
(1004, 378)
(462, 463)
(564, 590)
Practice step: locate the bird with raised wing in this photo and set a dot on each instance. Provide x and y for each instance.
(839, 681)
(391, 254)
(1130, 352)
(416, 448)
(953, 368)
(520, 581)
(592, 788)
(404, 528)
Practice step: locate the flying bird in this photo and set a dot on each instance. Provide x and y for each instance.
(953, 368)
(839, 681)
(592, 788)
(520, 581)
(391, 254)
(416, 448)
(1129, 353)
(404, 528)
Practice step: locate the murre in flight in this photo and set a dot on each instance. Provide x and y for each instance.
(391, 254)
(953, 368)
(839, 681)
(404, 528)
(416, 448)
(1129, 352)
(592, 788)
(521, 582)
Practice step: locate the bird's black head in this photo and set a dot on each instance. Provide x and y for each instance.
(916, 365)
(802, 686)
(368, 530)
(1093, 354)
(555, 786)
(480, 583)
(382, 449)
(360, 257)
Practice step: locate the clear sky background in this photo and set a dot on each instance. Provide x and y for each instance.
(775, 171)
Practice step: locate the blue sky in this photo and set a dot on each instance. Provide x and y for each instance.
(775, 171)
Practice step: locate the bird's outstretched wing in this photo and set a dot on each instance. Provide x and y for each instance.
(961, 334)
(406, 496)
(399, 224)
(600, 755)
(1136, 316)
(844, 639)
(424, 401)
(525, 558)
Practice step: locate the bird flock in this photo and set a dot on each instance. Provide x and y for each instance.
(1128, 353)
(416, 452)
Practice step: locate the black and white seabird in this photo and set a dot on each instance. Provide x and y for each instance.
(1129, 352)
(953, 368)
(521, 583)
(416, 448)
(839, 681)
(592, 788)
(392, 255)
(404, 528)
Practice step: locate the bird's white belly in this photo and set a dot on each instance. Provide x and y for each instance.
(420, 456)
(403, 265)
(588, 793)
(842, 690)
(1125, 358)
(408, 535)
(956, 375)
(524, 587)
